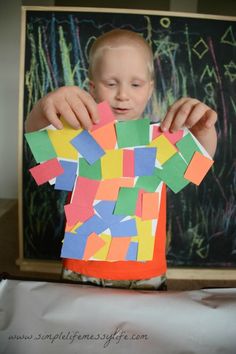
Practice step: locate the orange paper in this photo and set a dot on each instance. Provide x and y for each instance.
(108, 189)
(105, 136)
(150, 205)
(198, 168)
(118, 248)
(94, 244)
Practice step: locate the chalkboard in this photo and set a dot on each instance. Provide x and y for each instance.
(194, 56)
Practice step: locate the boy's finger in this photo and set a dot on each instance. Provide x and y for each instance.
(211, 118)
(65, 110)
(90, 105)
(170, 115)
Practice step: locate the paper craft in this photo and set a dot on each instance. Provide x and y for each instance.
(61, 141)
(150, 205)
(41, 146)
(118, 249)
(198, 168)
(66, 180)
(105, 114)
(187, 147)
(93, 171)
(172, 137)
(94, 244)
(87, 147)
(133, 133)
(128, 163)
(105, 136)
(116, 173)
(173, 173)
(165, 149)
(144, 161)
(46, 170)
(126, 202)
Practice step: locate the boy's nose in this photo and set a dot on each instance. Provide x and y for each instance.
(122, 93)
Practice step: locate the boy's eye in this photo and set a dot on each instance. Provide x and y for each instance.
(111, 83)
(136, 85)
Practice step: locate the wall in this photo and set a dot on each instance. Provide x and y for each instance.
(9, 76)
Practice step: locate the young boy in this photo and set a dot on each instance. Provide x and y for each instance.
(121, 72)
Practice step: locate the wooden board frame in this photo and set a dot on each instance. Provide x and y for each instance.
(55, 266)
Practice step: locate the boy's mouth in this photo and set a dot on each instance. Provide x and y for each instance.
(118, 110)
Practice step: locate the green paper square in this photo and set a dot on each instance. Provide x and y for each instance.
(173, 173)
(133, 133)
(126, 201)
(187, 147)
(90, 171)
(149, 183)
(41, 146)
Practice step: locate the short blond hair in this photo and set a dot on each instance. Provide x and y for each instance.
(116, 38)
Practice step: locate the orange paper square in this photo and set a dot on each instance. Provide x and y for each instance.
(150, 205)
(105, 136)
(94, 243)
(118, 248)
(198, 168)
(108, 189)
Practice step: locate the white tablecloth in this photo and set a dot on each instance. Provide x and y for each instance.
(40, 317)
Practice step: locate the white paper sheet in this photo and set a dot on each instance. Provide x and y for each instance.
(45, 318)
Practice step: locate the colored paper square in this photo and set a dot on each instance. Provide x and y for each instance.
(105, 114)
(187, 147)
(172, 137)
(93, 171)
(101, 255)
(105, 136)
(126, 202)
(138, 210)
(40, 146)
(66, 180)
(112, 164)
(84, 191)
(61, 141)
(93, 245)
(150, 206)
(75, 213)
(87, 147)
(118, 249)
(109, 189)
(128, 163)
(46, 170)
(73, 246)
(144, 161)
(132, 251)
(132, 133)
(165, 150)
(124, 228)
(94, 224)
(173, 173)
(198, 168)
(149, 183)
(105, 209)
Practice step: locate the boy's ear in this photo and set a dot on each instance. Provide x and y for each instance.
(91, 88)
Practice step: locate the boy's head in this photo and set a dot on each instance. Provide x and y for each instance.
(121, 72)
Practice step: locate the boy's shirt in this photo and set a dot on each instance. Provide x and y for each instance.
(129, 270)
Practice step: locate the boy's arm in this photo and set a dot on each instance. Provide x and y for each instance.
(75, 105)
(197, 117)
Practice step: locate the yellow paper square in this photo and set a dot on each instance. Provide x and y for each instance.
(112, 164)
(101, 255)
(61, 141)
(145, 240)
(165, 149)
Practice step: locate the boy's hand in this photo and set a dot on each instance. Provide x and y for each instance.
(197, 117)
(190, 113)
(77, 107)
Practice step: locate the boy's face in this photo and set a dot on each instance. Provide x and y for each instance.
(121, 77)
